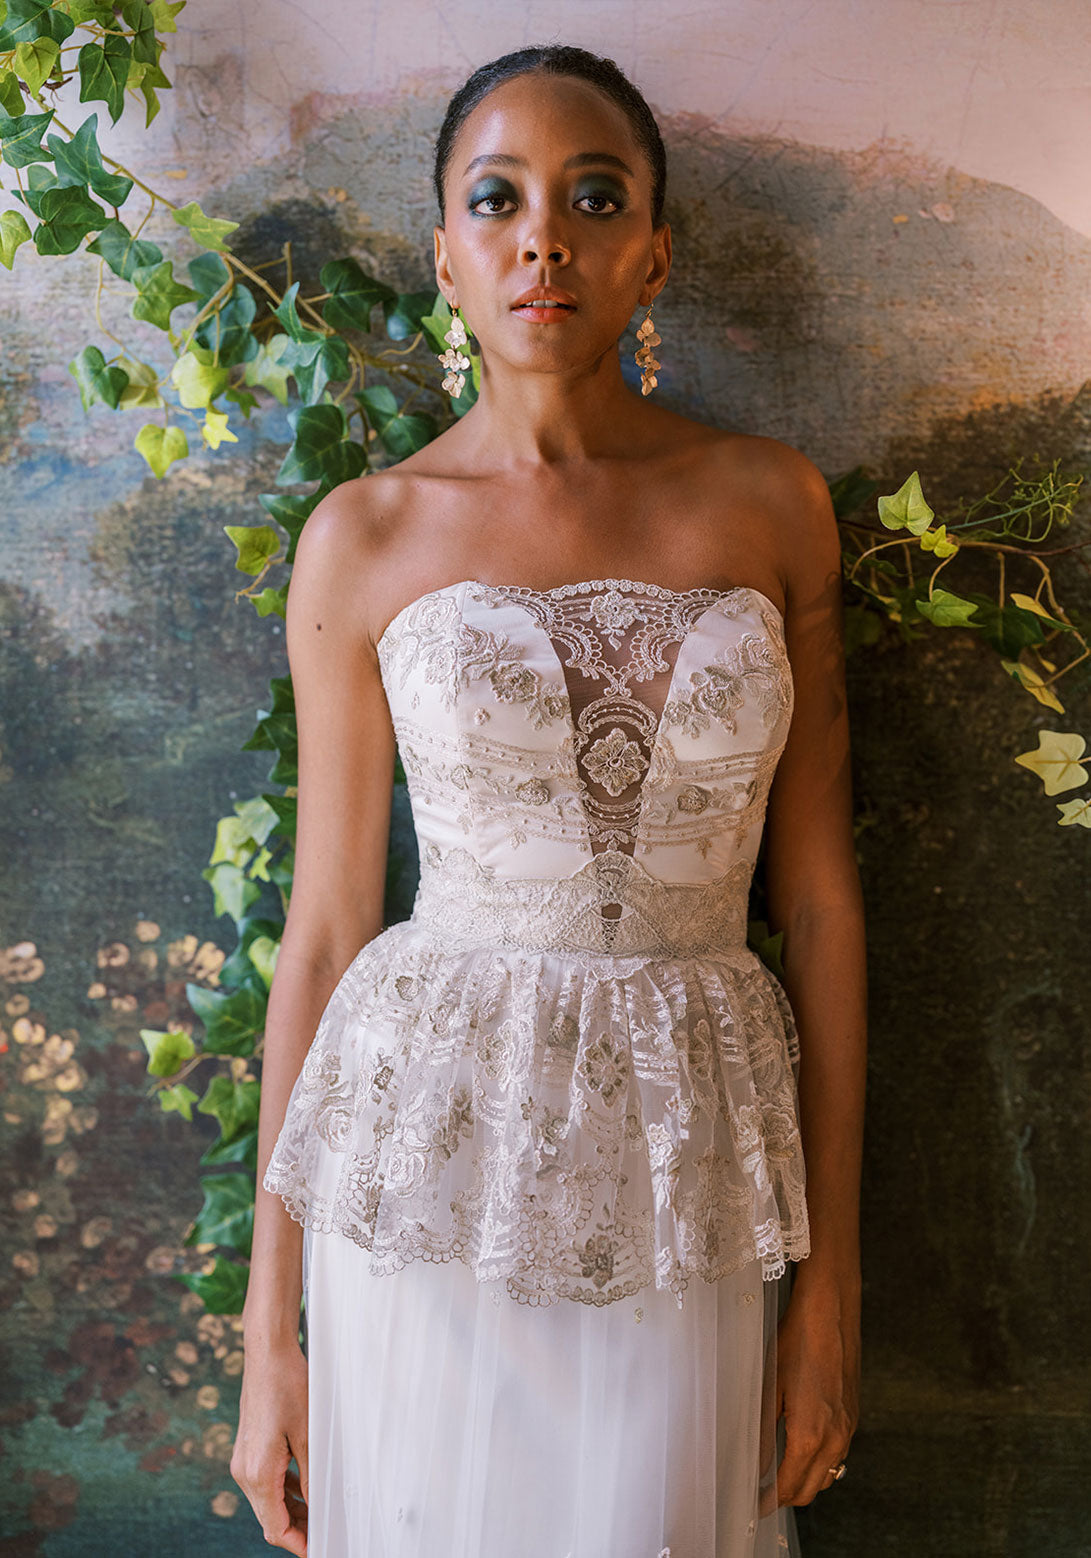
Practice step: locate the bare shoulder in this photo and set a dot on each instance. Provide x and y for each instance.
(349, 547)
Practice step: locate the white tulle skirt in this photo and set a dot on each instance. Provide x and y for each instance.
(449, 1421)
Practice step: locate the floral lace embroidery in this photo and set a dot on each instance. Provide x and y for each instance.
(579, 1081)
(748, 669)
(580, 1130)
(614, 633)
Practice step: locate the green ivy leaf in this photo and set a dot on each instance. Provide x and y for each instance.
(1007, 629)
(264, 952)
(294, 327)
(268, 369)
(329, 364)
(167, 1052)
(21, 137)
(104, 69)
(269, 601)
(215, 431)
(151, 77)
(404, 313)
(400, 434)
(322, 450)
(145, 46)
(243, 1150)
(946, 610)
(226, 332)
(232, 891)
(1034, 683)
(222, 1290)
(178, 1098)
(232, 1019)
(227, 1216)
(241, 398)
(13, 232)
(158, 293)
(163, 13)
(26, 20)
(255, 545)
(100, 11)
(233, 1104)
(906, 509)
(1028, 603)
(197, 381)
(79, 161)
(1077, 812)
(1057, 760)
(207, 274)
(67, 214)
(11, 98)
(143, 387)
(161, 446)
(96, 381)
(939, 542)
(291, 512)
(286, 808)
(34, 62)
(209, 231)
(436, 324)
(123, 253)
(355, 294)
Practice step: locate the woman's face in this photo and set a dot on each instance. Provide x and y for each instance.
(548, 187)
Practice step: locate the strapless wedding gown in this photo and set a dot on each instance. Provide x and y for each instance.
(545, 1144)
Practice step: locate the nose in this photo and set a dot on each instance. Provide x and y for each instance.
(555, 252)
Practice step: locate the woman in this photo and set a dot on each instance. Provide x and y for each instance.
(548, 1141)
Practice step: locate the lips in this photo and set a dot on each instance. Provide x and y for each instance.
(563, 302)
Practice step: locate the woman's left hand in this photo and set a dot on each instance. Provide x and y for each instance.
(818, 1386)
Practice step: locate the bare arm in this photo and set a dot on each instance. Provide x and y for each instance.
(346, 760)
(815, 899)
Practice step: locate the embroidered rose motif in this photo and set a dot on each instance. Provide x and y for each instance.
(692, 799)
(604, 1068)
(612, 613)
(514, 683)
(615, 762)
(597, 1259)
(533, 792)
(564, 1034)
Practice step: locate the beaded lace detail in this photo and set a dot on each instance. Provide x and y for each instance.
(567, 1069)
(611, 635)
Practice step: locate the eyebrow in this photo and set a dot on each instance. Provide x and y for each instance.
(582, 159)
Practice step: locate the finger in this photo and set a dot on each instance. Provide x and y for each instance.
(303, 1462)
(277, 1524)
(814, 1475)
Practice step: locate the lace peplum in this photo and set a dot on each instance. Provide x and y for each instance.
(567, 1069)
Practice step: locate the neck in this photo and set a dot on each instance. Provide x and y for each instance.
(522, 418)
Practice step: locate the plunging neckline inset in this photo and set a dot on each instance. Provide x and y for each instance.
(526, 597)
(616, 735)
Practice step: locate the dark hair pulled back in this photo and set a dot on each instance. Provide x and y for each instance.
(555, 59)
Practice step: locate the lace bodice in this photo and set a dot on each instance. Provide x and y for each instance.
(538, 727)
(567, 1068)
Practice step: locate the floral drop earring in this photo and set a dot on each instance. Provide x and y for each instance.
(454, 359)
(645, 358)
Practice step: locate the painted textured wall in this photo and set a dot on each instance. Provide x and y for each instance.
(883, 254)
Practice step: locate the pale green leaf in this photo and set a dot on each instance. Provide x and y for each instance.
(906, 509)
(161, 446)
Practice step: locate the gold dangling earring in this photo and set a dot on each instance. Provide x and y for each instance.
(454, 359)
(645, 358)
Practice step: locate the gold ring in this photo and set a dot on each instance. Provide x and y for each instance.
(838, 1471)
